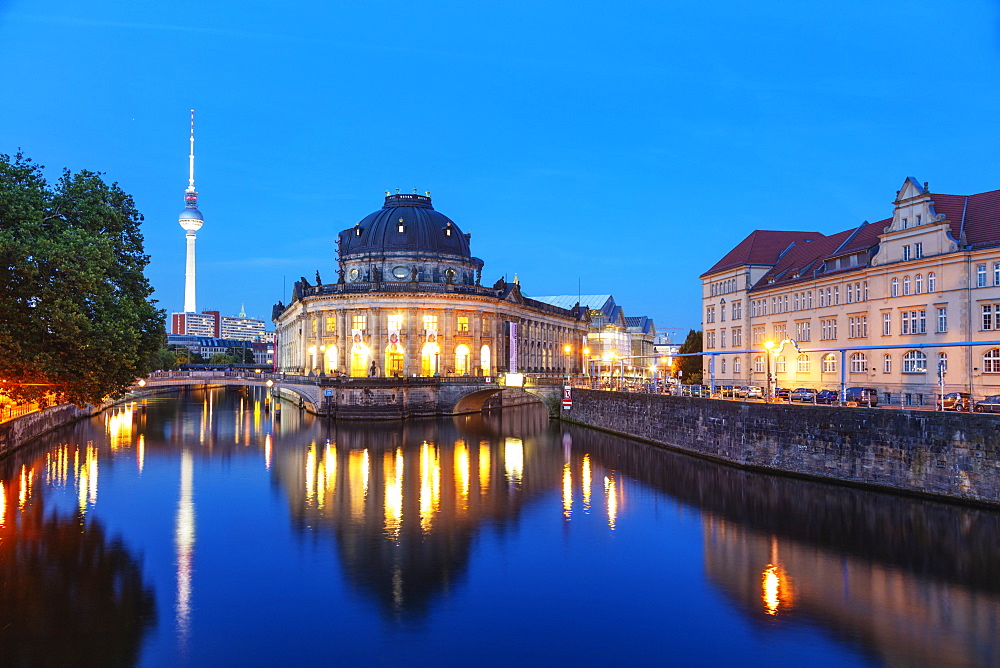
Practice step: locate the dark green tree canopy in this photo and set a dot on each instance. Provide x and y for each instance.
(690, 367)
(76, 319)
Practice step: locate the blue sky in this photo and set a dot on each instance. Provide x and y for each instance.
(622, 148)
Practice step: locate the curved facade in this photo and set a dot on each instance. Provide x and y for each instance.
(408, 302)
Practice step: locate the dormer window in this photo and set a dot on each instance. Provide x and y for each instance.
(400, 226)
(357, 230)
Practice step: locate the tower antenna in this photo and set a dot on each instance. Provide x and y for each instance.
(191, 221)
(191, 157)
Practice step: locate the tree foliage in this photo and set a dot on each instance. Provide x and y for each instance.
(690, 367)
(76, 320)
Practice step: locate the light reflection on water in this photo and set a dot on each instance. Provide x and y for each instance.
(446, 528)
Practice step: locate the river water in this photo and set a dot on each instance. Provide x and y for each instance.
(200, 529)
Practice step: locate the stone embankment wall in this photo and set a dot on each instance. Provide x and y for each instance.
(15, 433)
(954, 455)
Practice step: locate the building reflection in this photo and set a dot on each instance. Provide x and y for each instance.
(405, 500)
(67, 589)
(907, 581)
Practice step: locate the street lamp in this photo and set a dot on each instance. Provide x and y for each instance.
(586, 356)
(769, 345)
(568, 349)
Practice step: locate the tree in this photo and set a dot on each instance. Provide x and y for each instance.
(76, 320)
(690, 367)
(244, 353)
(222, 358)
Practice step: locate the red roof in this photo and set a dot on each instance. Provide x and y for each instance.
(794, 256)
(761, 247)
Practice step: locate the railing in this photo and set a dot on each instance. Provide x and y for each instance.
(9, 411)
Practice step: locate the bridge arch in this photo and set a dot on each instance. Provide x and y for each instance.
(474, 402)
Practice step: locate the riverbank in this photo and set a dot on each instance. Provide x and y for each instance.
(23, 429)
(945, 455)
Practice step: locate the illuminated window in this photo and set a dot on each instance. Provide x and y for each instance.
(313, 326)
(331, 323)
(802, 364)
(829, 364)
(431, 322)
(359, 322)
(463, 323)
(396, 322)
(914, 361)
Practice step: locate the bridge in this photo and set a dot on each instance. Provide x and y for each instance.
(375, 398)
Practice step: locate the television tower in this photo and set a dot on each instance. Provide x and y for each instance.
(191, 220)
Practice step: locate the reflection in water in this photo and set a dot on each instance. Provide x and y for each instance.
(909, 581)
(402, 503)
(184, 534)
(67, 590)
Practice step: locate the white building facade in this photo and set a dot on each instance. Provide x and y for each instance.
(885, 305)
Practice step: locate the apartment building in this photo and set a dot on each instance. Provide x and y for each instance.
(899, 305)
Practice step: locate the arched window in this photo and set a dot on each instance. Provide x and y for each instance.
(723, 365)
(918, 284)
(758, 364)
(394, 359)
(859, 363)
(887, 363)
(736, 365)
(914, 361)
(894, 289)
(829, 364)
(943, 362)
(906, 285)
(779, 364)
(991, 361)
(932, 282)
(463, 359)
(484, 360)
(802, 364)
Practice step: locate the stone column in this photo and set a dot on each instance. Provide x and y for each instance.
(375, 340)
(446, 323)
(413, 341)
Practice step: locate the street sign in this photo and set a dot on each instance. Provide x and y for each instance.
(567, 402)
(328, 392)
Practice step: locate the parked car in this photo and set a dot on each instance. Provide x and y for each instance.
(782, 393)
(726, 390)
(955, 401)
(740, 392)
(827, 397)
(862, 396)
(802, 394)
(990, 404)
(754, 392)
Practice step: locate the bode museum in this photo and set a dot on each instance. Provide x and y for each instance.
(408, 301)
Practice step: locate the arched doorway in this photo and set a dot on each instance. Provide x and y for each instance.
(430, 358)
(484, 360)
(330, 359)
(463, 359)
(360, 356)
(394, 358)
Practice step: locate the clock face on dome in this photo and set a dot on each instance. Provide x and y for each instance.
(353, 274)
(400, 272)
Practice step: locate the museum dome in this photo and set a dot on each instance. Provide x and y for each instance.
(405, 223)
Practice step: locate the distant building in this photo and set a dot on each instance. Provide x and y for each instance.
(212, 323)
(872, 305)
(207, 346)
(612, 336)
